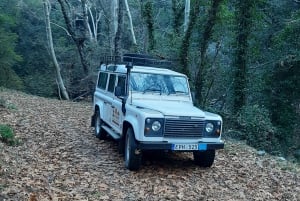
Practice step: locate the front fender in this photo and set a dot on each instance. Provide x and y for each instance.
(133, 122)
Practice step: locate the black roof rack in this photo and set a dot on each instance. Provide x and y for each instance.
(137, 60)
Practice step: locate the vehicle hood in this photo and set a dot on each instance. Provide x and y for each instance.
(169, 108)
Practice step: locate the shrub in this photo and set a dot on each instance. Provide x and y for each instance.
(7, 135)
(257, 129)
(9, 79)
(4, 104)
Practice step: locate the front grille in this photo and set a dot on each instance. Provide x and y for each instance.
(184, 128)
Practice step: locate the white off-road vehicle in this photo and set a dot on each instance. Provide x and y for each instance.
(149, 108)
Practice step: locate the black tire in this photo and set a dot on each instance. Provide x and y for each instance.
(133, 157)
(99, 132)
(121, 146)
(204, 158)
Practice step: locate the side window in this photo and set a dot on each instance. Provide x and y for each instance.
(111, 84)
(121, 83)
(102, 80)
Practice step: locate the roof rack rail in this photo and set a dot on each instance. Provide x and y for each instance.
(137, 60)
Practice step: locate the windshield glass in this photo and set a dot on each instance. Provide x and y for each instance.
(163, 84)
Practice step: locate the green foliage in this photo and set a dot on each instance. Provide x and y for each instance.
(40, 84)
(7, 135)
(178, 12)
(288, 39)
(9, 79)
(36, 71)
(284, 101)
(8, 38)
(256, 128)
(8, 56)
(225, 15)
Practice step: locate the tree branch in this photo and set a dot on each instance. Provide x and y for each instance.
(62, 28)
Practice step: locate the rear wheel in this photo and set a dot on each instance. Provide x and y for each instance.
(133, 156)
(204, 158)
(99, 132)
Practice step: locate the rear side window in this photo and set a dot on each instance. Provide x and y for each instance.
(111, 84)
(102, 80)
(121, 83)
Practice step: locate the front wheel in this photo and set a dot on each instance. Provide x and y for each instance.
(133, 156)
(204, 158)
(99, 132)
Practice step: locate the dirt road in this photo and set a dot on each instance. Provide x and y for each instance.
(60, 159)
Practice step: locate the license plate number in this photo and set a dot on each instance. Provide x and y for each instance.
(185, 147)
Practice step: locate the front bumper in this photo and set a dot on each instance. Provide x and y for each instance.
(169, 146)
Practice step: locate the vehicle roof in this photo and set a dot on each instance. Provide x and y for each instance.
(120, 68)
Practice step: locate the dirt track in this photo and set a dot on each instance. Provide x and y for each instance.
(60, 159)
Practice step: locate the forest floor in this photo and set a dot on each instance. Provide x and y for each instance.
(59, 158)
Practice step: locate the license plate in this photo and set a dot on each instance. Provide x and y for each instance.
(185, 147)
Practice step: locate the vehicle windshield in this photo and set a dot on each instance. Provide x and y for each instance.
(162, 84)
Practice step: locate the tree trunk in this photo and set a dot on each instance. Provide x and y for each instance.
(130, 22)
(87, 31)
(184, 50)
(118, 37)
(148, 15)
(178, 10)
(244, 9)
(186, 14)
(62, 88)
(206, 36)
(115, 10)
(95, 21)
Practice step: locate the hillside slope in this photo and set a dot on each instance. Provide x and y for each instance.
(60, 159)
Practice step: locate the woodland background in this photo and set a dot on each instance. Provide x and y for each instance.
(242, 57)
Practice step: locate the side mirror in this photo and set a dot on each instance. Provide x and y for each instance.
(193, 96)
(118, 91)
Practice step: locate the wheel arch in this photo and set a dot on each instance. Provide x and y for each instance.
(98, 108)
(126, 125)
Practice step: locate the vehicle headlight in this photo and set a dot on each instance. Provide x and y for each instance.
(209, 127)
(156, 126)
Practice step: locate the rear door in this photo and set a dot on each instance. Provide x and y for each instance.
(108, 107)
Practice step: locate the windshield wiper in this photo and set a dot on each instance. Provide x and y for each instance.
(152, 90)
(177, 92)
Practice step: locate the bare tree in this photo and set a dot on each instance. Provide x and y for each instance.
(79, 37)
(130, 22)
(115, 8)
(95, 20)
(62, 88)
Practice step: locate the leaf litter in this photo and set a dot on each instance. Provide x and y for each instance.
(60, 159)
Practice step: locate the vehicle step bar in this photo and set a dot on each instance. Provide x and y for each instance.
(111, 132)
